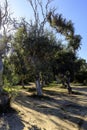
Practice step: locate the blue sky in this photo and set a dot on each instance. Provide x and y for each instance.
(75, 10)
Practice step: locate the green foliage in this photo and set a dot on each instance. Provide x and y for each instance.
(33, 52)
(81, 77)
(65, 28)
(81, 71)
(10, 77)
(10, 89)
(63, 61)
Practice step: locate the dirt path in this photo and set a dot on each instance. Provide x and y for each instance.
(56, 111)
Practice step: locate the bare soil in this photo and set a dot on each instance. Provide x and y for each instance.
(56, 110)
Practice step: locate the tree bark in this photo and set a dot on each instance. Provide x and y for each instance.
(57, 80)
(43, 83)
(23, 86)
(4, 96)
(68, 86)
(38, 86)
(1, 72)
(5, 101)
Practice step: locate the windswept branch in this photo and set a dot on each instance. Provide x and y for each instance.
(65, 28)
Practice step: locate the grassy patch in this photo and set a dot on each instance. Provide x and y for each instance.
(12, 91)
(53, 84)
(55, 88)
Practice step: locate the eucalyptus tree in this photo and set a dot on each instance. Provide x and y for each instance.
(33, 51)
(38, 42)
(5, 28)
(65, 28)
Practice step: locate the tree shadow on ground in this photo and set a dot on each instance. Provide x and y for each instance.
(10, 120)
(82, 89)
(56, 104)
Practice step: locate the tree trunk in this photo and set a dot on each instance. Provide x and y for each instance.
(57, 80)
(64, 81)
(23, 86)
(5, 101)
(38, 86)
(4, 96)
(43, 83)
(1, 72)
(68, 86)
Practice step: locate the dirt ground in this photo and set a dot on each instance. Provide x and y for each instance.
(56, 111)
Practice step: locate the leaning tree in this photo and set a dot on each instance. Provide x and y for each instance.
(66, 28)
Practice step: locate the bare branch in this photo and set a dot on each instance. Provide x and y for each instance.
(40, 9)
(5, 18)
(5, 14)
(47, 5)
(34, 7)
